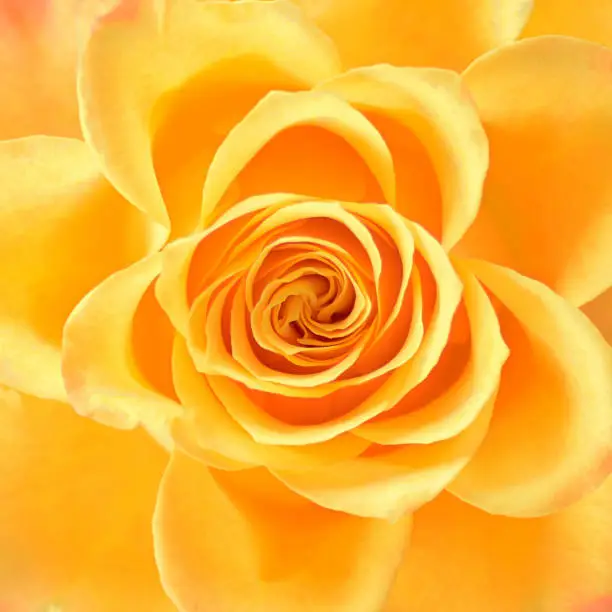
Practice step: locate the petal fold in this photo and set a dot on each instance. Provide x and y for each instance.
(546, 210)
(64, 229)
(283, 554)
(550, 439)
(75, 519)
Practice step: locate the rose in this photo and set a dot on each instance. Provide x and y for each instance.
(241, 212)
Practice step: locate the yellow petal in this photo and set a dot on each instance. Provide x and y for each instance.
(101, 373)
(547, 202)
(461, 558)
(64, 229)
(279, 111)
(391, 481)
(123, 100)
(240, 541)
(455, 408)
(550, 439)
(433, 106)
(38, 61)
(77, 504)
(590, 19)
(211, 428)
(444, 33)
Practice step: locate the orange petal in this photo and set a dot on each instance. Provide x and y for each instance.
(433, 106)
(331, 561)
(550, 439)
(38, 61)
(445, 33)
(77, 504)
(547, 203)
(120, 95)
(461, 558)
(98, 361)
(64, 229)
(589, 20)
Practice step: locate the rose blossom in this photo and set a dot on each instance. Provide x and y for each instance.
(305, 305)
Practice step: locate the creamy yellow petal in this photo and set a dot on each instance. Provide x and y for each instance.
(550, 439)
(589, 19)
(38, 62)
(64, 229)
(444, 33)
(547, 203)
(461, 558)
(76, 511)
(240, 541)
(121, 97)
(100, 371)
(433, 106)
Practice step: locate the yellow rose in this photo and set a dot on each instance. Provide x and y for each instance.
(331, 282)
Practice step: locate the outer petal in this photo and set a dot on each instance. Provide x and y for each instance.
(547, 203)
(38, 57)
(550, 439)
(590, 19)
(121, 97)
(432, 107)
(442, 33)
(99, 360)
(240, 541)
(461, 558)
(64, 229)
(75, 518)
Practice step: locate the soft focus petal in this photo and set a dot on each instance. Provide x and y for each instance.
(99, 365)
(443, 33)
(38, 59)
(64, 229)
(461, 558)
(121, 97)
(546, 105)
(433, 106)
(240, 541)
(550, 439)
(588, 19)
(76, 511)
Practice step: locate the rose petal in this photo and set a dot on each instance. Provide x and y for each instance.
(211, 428)
(279, 111)
(590, 20)
(433, 106)
(461, 403)
(332, 561)
(38, 60)
(119, 93)
(547, 203)
(461, 558)
(98, 361)
(75, 519)
(550, 439)
(64, 229)
(446, 33)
